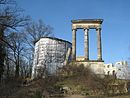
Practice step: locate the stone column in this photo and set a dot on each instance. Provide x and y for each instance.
(86, 43)
(74, 44)
(99, 44)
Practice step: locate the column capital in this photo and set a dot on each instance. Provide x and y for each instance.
(86, 29)
(74, 29)
(98, 29)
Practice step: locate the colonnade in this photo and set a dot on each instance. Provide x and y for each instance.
(86, 43)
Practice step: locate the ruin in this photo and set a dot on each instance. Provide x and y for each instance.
(86, 24)
(57, 53)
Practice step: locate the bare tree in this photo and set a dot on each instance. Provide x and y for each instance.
(35, 30)
(17, 50)
(11, 17)
(6, 1)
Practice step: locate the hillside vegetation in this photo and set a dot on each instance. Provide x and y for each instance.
(69, 81)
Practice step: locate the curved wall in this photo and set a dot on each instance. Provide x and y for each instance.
(50, 54)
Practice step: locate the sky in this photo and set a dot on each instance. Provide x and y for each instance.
(115, 27)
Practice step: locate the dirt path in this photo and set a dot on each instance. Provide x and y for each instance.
(80, 96)
(75, 96)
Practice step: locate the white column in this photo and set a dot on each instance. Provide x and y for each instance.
(99, 44)
(74, 44)
(86, 43)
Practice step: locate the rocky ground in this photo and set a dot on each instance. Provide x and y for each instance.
(74, 87)
(80, 96)
(34, 90)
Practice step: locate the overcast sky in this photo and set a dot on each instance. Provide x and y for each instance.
(115, 27)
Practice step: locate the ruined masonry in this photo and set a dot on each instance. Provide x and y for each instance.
(96, 65)
(53, 53)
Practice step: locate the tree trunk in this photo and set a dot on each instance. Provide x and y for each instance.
(2, 53)
(17, 69)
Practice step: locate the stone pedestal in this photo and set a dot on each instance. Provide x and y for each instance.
(96, 66)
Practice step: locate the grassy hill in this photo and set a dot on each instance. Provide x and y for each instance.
(69, 82)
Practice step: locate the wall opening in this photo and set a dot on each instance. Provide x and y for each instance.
(80, 42)
(92, 44)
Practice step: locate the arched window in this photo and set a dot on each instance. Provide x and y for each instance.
(108, 73)
(113, 73)
(108, 66)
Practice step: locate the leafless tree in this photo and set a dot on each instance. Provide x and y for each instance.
(11, 17)
(6, 1)
(35, 30)
(17, 50)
